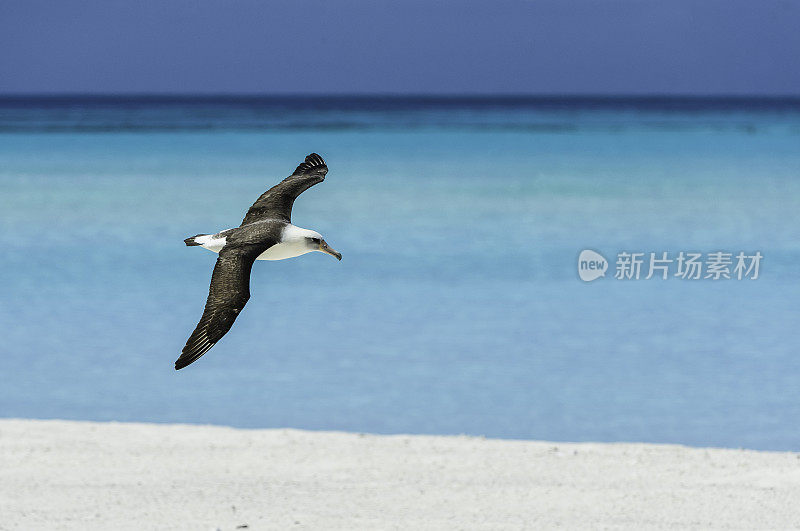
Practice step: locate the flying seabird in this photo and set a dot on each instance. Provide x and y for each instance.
(266, 233)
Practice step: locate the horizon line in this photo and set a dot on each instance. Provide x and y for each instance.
(400, 95)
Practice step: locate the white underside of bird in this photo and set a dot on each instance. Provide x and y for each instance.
(293, 243)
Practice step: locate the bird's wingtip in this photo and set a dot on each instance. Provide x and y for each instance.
(185, 361)
(312, 163)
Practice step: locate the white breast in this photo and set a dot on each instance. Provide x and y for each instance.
(284, 250)
(293, 243)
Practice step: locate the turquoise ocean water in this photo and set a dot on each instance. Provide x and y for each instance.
(457, 307)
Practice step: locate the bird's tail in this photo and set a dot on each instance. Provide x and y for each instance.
(192, 240)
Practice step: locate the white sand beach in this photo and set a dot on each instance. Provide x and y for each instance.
(84, 475)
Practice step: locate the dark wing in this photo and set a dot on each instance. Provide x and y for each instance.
(229, 292)
(276, 203)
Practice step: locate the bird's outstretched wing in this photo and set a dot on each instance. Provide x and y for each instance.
(229, 292)
(276, 203)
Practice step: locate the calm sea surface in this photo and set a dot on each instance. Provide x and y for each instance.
(457, 307)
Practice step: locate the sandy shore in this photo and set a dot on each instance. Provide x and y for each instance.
(82, 475)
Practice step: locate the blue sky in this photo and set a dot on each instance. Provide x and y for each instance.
(380, 46)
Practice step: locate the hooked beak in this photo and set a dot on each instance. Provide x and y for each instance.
(323, 247)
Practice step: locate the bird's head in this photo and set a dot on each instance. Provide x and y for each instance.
(315, 242)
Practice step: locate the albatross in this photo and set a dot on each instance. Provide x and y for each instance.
(266, 233)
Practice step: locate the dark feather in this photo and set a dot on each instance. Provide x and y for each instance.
(229, 292)
(276, 203)
(190, 240)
